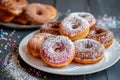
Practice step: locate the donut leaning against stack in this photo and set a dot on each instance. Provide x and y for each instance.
(74, 27)
(37, 13)
(52, 11)
(35, 43)
(89, 17)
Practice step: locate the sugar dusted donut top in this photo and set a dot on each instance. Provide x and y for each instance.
(51, 27)
(89, 17)
(88, 49)
(102, 35)
(74, 24)
(62, 43)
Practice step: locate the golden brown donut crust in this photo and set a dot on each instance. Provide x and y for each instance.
(88, 61)
(74, 27)
(37, 13)
(35, 43)
(58, 65)
(51, 10)
(13, 6)
(88, 51)
(21, 19)
(5, 16)
(102, 35)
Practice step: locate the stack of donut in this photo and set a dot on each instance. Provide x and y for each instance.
(75, 38)
(21, 12)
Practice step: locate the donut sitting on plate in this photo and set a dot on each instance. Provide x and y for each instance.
(88, 51)
(37, 13)
(57, 51)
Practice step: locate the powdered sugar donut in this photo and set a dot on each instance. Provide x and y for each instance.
(89, 17)
(58, 51)
(102, 35)
(88, 51)
(74, 27)
(35, 43)
(51, 27)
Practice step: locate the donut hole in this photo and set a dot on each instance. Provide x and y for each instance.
(17, 0)
(58, 47)
(98, 31)
(57, 50)
(88, 45)
(38, 12)
(55, 26)
(76, 24)
(84, 16)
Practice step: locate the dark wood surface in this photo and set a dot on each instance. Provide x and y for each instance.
(97, 8)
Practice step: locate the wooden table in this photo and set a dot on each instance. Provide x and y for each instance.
(96, 7)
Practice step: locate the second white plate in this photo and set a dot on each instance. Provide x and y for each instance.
(112, 55)
(20, 26)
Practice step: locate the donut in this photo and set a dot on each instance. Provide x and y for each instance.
(5, 16)
(37, 13)
(34, 44)
(102, 35)
(21, 19)
(88, 16)
(57, 52)
(74, 27)
(51, 27)
(51, 10)
(88, 51)
(15, 7)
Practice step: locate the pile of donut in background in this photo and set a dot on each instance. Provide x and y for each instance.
(21, 12)
(75, 38)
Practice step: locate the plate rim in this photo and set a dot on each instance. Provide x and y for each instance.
(101, 69)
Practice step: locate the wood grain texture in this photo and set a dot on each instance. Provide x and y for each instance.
(113, 72)
(97, 76)
(73, 5)
(96, 7)
(65, 6)
(109, 7)
(62, 77)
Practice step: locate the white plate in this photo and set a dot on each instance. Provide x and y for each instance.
(19, 26)
(112, 55)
